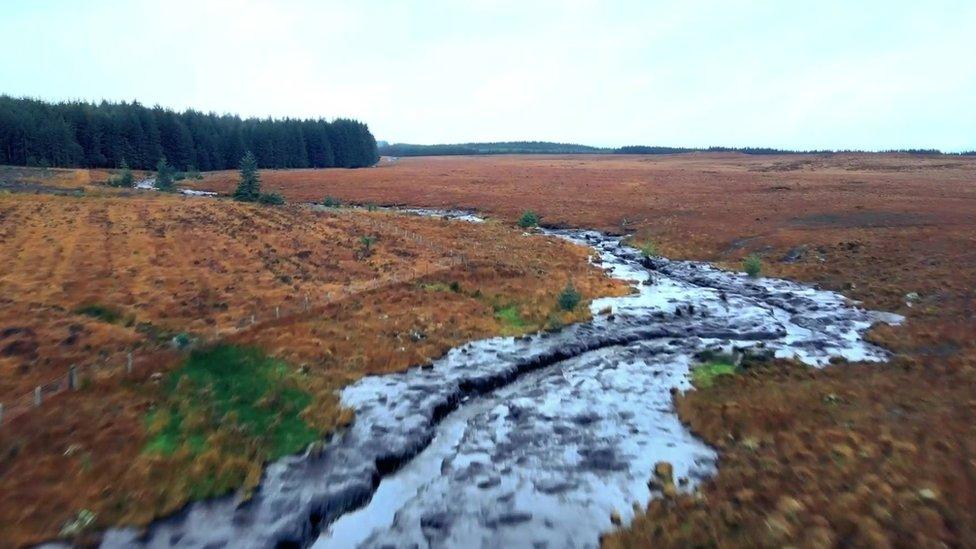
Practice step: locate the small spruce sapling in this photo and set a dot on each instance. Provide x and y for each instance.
(752, 265)
(528, 220)
(569, 298)
(249, 185)
(164, 176)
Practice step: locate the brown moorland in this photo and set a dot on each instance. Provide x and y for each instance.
(866, 455)
(55, 180)
(86, 279)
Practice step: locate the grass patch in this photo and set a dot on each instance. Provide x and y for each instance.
(511, 318)
(229, 401)
(101, 312)
(704, 375)
(453, 286)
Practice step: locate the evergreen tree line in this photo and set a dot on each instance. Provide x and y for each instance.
(546, 147)
(502, 147)
(110, 135)
(642, 149)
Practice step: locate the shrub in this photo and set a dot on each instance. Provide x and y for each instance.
(649, 249)
(330, 202)
(101, 312)
(125, 178)
(274, 199)
(182, 340)
(365, 247)
(752, 265)
(554, 323)
(569, 298)
(371, 207)
(529, 219)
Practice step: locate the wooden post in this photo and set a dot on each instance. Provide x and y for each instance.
(277, 312)
(252, 319)
(1, 413)
(72, 378)
(128, 362)
(37, 396)
(306, 302)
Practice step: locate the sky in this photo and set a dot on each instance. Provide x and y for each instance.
(810, 74)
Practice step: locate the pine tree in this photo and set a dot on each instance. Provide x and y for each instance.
(100, 135)
(164, 176)
(249, 186)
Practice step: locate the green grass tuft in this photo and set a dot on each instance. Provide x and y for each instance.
(511, 318)
(101, 312)
(704, 375)
(236, 391)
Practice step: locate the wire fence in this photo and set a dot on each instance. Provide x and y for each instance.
(13, 408)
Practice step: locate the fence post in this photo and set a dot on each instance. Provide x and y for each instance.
(277, 312)
(252, 319)
(1, 413)
(37, 396)
(306, 302)
(128, 362)
(73, 378)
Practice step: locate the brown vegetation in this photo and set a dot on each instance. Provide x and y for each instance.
(869, 455)
(87, 279)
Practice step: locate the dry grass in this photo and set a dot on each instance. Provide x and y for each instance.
(851, 456)
(166, 264)
(877, 227)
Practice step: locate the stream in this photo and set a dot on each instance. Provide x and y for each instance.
(531, 441)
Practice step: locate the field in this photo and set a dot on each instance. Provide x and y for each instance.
(850, 455)
(303, 299)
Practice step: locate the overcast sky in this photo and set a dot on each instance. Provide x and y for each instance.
(814, 74)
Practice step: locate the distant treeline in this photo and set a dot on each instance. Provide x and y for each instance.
(545, 147)
(504, 147)
(642, 149)
(106, 135)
